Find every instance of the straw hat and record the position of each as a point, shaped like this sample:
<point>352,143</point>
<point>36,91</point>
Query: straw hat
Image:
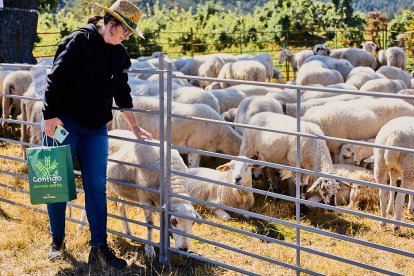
<point>127,13</point>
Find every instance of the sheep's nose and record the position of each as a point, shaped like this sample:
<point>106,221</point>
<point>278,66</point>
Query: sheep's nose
<point>237,179</point>
<point>185,249</point>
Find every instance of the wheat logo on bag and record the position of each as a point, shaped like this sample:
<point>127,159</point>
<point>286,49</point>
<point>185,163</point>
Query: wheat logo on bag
<point>51,177</point>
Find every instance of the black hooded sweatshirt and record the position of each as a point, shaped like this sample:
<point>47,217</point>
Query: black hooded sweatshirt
<point>87,75</point>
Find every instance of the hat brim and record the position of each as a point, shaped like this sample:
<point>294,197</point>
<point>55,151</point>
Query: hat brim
<point>114,14</point>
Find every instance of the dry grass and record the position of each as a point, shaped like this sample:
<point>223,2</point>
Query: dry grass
<point>24,240</point>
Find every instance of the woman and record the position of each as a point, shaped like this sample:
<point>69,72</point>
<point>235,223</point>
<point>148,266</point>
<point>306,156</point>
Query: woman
<point>86,77</point>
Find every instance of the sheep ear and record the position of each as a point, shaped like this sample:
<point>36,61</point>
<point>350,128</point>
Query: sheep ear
<point>369,159</point>
<point>313,187</point>
<point>223,168</point>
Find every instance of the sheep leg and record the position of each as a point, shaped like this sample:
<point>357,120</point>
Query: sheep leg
<point>80,227</point>
<point>393,183</point>
<point>382,179</point>
<point>194,160</point>
<point>125,224</point>
<point>221,214</point>
<point>149,249</point>
<point>407,183</point>
<point>411,205</point>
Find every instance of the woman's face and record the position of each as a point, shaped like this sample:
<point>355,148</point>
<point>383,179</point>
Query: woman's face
<point>117,33</point>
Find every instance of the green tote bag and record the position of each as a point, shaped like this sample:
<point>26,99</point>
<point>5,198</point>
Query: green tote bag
<point>51,177</point>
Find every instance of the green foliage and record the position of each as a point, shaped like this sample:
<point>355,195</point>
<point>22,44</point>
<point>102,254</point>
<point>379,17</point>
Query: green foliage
<point>401,23</point>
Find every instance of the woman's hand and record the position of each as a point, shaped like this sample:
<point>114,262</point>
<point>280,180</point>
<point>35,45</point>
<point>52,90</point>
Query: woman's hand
<point>50,126</point>
<point>141,133</point>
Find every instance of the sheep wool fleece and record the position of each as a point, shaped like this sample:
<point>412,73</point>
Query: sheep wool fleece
<point>87,75</point>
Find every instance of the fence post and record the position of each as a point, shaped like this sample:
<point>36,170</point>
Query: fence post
<point>192,41</point>
<point>163,256</point>
<point>298,179</point>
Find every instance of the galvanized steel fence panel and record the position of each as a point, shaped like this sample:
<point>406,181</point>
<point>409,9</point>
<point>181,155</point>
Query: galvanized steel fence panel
<point>166,172</point>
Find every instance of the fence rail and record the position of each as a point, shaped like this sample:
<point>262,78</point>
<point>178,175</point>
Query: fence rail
<point>166,172</point>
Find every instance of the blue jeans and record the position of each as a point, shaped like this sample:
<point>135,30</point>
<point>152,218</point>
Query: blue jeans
<point>90,147</point>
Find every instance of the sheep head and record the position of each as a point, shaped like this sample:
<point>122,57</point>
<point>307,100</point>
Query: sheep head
<point>182,224</point>
<point>241,172</point>
<point>327,189</point>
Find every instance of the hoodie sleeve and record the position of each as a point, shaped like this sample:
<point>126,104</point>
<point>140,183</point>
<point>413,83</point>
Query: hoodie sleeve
<point>65,62</point>
<point>122,95</point>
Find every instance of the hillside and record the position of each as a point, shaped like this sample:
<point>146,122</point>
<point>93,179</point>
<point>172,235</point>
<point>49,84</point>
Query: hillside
<point>390,7</point>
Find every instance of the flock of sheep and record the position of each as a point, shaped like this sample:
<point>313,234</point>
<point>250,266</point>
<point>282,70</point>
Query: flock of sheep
<point>364,118</point>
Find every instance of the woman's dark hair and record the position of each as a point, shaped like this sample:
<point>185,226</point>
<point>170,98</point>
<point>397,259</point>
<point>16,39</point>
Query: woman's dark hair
<point>107,17</point>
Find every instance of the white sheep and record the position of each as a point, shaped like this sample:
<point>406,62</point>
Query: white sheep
<point>250,106</point>
<point>336,53</point>
<point>203,66</point>
<point>283,96</point>
<point>369,46</point>
<point>398,132</point>
<point>408,92</point>
<point>228,98</point>
<point>249,70</point>
<point>359,57</point>
<point>358,119</point>
<point>394,73</point>
<point>3,74</point>
<point>195,95</point>
<point>343,66</point>
<point>281,148</point>
<point>315,72</point>
<point>394,56</point>
<point>356,196</point>
<point>355,154</point>
<point>31,112</point>
<point>320,49</point>
<point>291,108</point>
<point>360,75</point>
<point>150,156</point>
<point>278,75</point>
<point>207,136</point>
<point>266,60</point>
<point>16,83</point>
<point>295,59</point>
<point>233,172</point>
<point>383,85</point>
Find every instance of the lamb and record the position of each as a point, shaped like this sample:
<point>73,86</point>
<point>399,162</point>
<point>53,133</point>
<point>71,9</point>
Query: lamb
<point>359,57</point>
<point>394,56</point>
<point>207,136</point>
<point>250,70</point>
<point>266,60</point>
<point>395,73</point>
<point>383,85</point>
<point>335,192</point>
<point>341,65</point>
<point>296,60</point>
<point>360,75</point>
<point>355,154</point>
<point>228,98</point>
<point>398,132</point>
<point>320,49</point>
<point>314,72</point>
<point>150,156</point>
<point>369,46</point>
<point>233,172</point>
<point>16,83</point>
<point>250,106</point>
<point>281,148</point>
<point>356,119</point>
